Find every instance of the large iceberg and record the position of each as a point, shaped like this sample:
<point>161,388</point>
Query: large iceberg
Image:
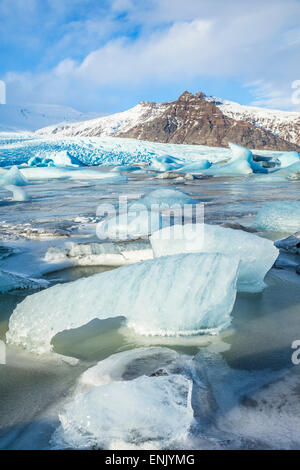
<point>240,163</point>
<point>165,163</point>
<point>288,158</point>
<point>150,412</point>
<point>195,167</point>
<point>175,295</point>
<point>257,255</point>
<point>281,216</point>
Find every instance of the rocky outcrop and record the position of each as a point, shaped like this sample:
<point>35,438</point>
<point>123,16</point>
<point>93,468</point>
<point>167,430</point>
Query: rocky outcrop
<point>193,120</point>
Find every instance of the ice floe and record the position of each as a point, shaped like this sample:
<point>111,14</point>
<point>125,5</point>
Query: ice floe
<point>175,295</point>
<point>257,255</point>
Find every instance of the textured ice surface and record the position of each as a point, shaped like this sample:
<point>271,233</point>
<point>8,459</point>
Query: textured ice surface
<point>11,282</point>
<point>173,295</point>
<point>257,255</point>
<point>128,365</point>
<point>153,411</point>
<point>282,216</point>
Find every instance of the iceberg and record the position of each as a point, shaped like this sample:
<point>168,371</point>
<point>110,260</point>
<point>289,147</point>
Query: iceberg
<point>257,255</point>
<point>287,159</point>
<point>290,244</point>
<point>166,199</point>
<point>174,295</point>
<point>13,177</point>
<point>128,365</point>
<point>165,163</point>
<point>40,173</point>
<point>240,163</point>
<point>147,411</point>
<point>195,167</point>
<point>281,216</point>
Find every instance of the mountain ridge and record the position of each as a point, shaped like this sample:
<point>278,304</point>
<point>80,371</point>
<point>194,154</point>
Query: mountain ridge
<point>194,119</point>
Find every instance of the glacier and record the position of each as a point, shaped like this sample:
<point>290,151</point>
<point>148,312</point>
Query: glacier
<point>280,216</point>
<point>257,255</point>
<point>149,412</point>
<point>174,295</point>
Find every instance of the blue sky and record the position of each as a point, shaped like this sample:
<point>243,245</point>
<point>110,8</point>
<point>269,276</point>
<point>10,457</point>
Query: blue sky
<point>107,55</point>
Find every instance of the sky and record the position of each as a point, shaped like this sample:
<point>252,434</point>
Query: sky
<point>107,55</point>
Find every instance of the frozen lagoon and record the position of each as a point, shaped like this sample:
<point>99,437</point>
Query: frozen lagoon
<point>243,375</point>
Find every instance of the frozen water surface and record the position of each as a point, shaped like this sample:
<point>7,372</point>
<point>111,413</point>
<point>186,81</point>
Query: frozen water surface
<point>244,388</point>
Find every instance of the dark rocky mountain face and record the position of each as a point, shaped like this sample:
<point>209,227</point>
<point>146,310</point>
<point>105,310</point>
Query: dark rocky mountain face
<point>193,120</point>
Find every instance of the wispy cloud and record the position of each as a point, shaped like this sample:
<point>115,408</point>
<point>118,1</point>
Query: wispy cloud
<point>86,49</point>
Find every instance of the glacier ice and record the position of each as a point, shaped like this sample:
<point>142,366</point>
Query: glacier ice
<point>195,167</point>
<point>290,244</point>
<point>13,177</point>
<point>128,365</point>
<point>239,163</point>
<point>174,295</point>
<point>146,411</point>
<point>281,216</point>
<point>257,255</point>
<point>40,173</point>
<point>100,254</point>
<point>288,158</point>
<point>165,163</point>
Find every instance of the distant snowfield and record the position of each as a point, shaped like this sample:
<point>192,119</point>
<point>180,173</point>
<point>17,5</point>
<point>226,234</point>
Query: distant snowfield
<point>31,117</point>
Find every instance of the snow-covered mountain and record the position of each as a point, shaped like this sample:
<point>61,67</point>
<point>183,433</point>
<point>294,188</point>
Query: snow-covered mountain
<point>112,125</point>
<point>188,120</point>
<point>285,124</point>
<point>34,116</point>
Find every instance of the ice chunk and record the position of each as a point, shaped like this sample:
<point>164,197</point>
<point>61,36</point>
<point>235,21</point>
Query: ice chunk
<point>129,226</point>
<point>147,411</point>
<point>282,216</point>
<point>175,295</point>
<point>37,173</point>
<point>19,194</point>
<point>257,255</point>
<point>195,167</point>
<point>11,282</point>
<point>101,254</point>
<point>239,163</point>
<point>13,177</point>
<point>287,159</point>
<point>290,244</point>
<point>165,163</point>
<point>165,199</point>
<point>128,365</point>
